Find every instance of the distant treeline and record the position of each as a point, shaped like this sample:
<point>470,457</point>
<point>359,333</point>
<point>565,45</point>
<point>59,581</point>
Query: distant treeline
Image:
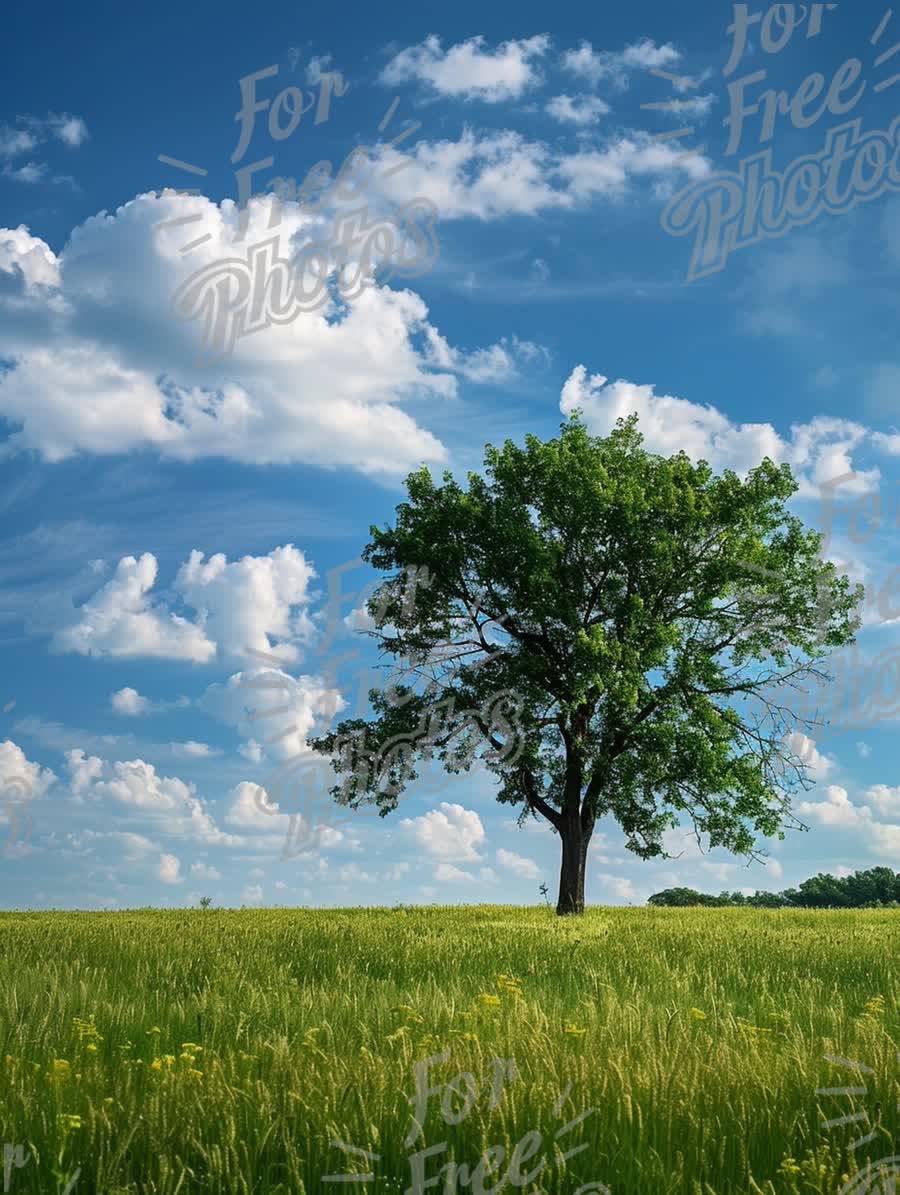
<point>878,888</point>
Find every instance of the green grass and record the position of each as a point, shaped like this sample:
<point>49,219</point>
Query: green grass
<point>704,1040</point>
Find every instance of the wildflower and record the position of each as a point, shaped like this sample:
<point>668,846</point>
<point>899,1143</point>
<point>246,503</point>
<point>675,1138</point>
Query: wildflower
<point>70,1120</point>
<point>60,1069</point>
<point>195,1074</point>
<point>191,1045</point>
<point>875,1006</point>
<point>91,1048</point>
<point>490,1000</point>
<point>155,1029</point>
<point>698,1014</point>
<point>156,1065</point>
<point>108,1099</point>
<point>574,1031</point>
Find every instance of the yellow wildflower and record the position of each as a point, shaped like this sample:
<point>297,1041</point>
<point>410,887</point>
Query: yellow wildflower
<point>574,1031</point>
<point>489,999</point>
<point>698,1014</point>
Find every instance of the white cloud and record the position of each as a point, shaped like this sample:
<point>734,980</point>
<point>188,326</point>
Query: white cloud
<point>581,110</point>
<point>319,67</point>
<point>864,750</point>
<point>885,799</point>
<point>451,833</point>
<point>20,778</point>
<point>396,873</point>
<point>494,174</point>
<point>112,384</point>
<point>446,873</point>
<point>193,750</point>
<point>34,260</point>
<point>71,130</point>
<point>819,450</point>
<point>468,70</point>
<point>518,864</point>
<point>30,172</point>
<point>129,701</point>
<point>202,871</point>
<point>835,810</point>
<point>621,888</point>
<point>617,65</point>
<point>121,620</point>
<point>249,602</point>
<point>804,748</point>
<point>252,894</point>
<point>251,750</point>
<point>301,704</point>
<point>775,868</point>
<point>499,363</point>
<point>168,802</point>
<point>251,809</point>
<point>256,603</point>
<point>135,846</point>
<point>83,769</point>
<point>719,871</point>
<point>170,869</point>
<point>15,141</point>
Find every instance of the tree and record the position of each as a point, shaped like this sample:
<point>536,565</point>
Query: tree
<point>684,898</point>
<point>583,614</point>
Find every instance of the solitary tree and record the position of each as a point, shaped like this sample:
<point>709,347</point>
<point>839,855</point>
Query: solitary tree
<point>614,632</point>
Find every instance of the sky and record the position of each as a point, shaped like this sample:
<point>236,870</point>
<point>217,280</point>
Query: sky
<point>690,212</point>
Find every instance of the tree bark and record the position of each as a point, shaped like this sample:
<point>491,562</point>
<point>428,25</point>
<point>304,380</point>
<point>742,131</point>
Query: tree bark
<point>575,842</point>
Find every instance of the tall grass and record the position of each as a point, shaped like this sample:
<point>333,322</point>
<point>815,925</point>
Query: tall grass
<point>225,1051</point>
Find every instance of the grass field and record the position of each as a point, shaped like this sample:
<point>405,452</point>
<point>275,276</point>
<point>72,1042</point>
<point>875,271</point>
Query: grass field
<point>224,1051</point>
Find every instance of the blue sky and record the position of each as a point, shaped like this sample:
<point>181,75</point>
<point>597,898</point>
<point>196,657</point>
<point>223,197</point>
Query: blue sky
<point>163,511</point>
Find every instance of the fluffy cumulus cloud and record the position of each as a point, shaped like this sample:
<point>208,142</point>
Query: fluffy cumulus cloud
<point>816,765</point>
<point>129,701</point>
<point>126,372</point>
<point>254,811</point>
<point>166,803</point>
<point>247,603</point>
<point>617,66</point>
<point>83,770</point>
<point>451,833</point>
<point>489,175</point>
<point>121,619</point>
<point>469,70</point>
<point>818,451</point>
<point>28,257</point>
<point>518,864</point>
<point>499,363</point>
<point>20,778</point>
<point>873,824</point>
<point>578,110</point>
<point>170,869</point>
<point>282,709</point>
<point>253,605</point>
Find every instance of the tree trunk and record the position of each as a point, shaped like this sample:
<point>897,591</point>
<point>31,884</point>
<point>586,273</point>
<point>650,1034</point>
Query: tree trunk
<point>575,842</point>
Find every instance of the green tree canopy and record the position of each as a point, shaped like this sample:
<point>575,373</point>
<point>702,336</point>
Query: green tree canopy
<point>614,632</point>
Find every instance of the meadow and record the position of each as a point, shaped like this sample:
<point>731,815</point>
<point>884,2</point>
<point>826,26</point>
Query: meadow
<point>227,1050</point>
